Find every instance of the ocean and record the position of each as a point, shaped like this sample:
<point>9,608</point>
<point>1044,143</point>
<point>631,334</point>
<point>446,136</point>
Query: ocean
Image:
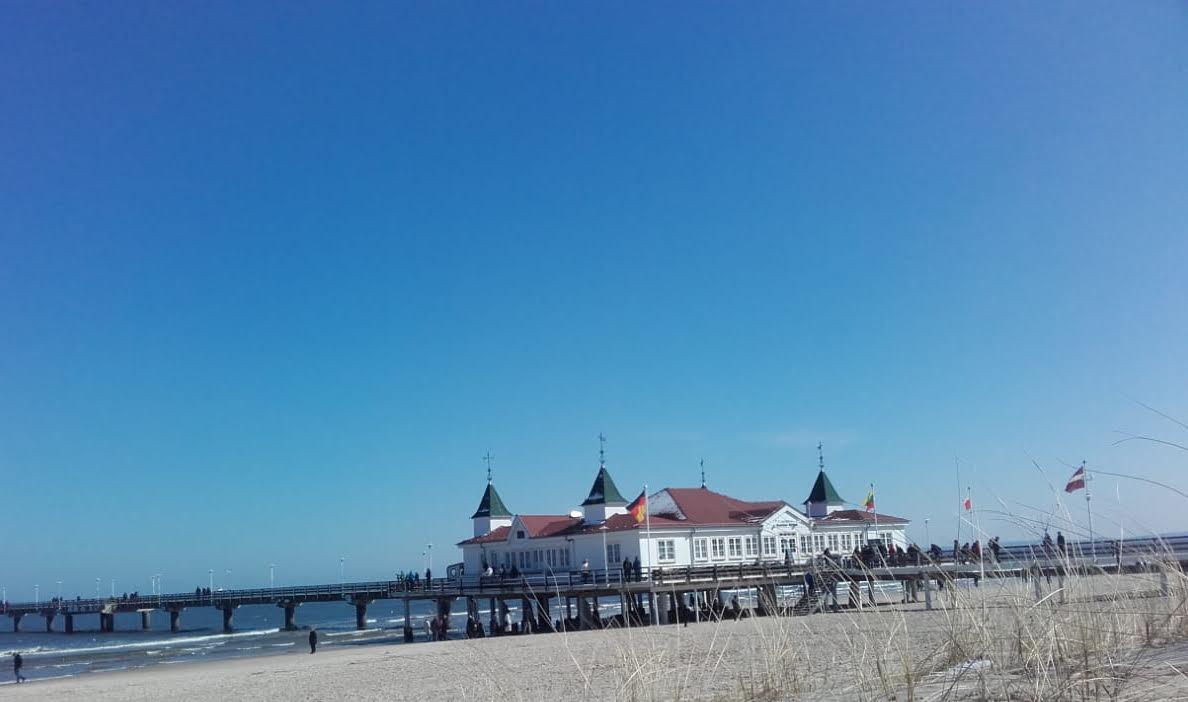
<point>257,632</point>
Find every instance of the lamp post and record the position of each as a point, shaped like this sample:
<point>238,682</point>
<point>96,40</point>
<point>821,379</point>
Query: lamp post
<point>271,576</point>
<point>605,560</point>
<point>96,589</point>
<point>210,580</point>
<point>113,588</point>
<point>36,594</point>
<point>228,574</point>
<point>342,570</point>
<point>59,591</point>
<point>927,537</point>
<point>429,550</point>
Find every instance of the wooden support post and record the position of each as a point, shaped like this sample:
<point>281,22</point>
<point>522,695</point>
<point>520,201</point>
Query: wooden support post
<point>360,615</point>
<point>174,620</point>
<point>49,622</point>
<point>493,628</point>
<point>227,613</point>
<point>145,621</point>
<point>69,623</point>
<point>408,630</point>
<point>927,592</point>
<point>290,616</point>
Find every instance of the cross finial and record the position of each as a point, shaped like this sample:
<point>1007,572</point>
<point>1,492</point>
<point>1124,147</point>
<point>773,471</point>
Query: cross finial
<point>702,464</point>
<point>488,458</point>
<point>820,456</point>
<point>601,450</point>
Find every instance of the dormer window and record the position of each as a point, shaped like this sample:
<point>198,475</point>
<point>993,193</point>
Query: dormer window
<point>520,534</point>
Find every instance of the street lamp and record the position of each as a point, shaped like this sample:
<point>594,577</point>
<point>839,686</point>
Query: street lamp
<point>36,594</point>
<point>113,588</point>
<point>228,579</point>
<point>96,589</point>
<point>59,591</point>
<point>926,535</point>
<point>271,576</point>
<point>429,548</point>
<point>605,559</point>
<point>210,589</point>
<point>342,570</point>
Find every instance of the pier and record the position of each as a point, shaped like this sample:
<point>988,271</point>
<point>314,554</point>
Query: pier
<point>560,600</point>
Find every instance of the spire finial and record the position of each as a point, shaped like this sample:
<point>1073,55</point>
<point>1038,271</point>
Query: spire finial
<point>702,464</point>
<point>820,456</point>
<point>601,450</point>
<point>488,458</point>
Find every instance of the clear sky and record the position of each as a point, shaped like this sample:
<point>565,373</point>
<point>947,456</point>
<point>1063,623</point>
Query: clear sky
<point>274,277</point>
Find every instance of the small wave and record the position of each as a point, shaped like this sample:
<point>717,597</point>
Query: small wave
<point>216,638</point>
<point>282,645</point>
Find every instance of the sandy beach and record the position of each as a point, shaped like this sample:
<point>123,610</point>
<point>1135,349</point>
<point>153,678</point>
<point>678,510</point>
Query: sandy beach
<point>878,653</point>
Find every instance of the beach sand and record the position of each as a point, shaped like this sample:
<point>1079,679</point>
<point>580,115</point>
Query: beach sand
<point>849,655</point>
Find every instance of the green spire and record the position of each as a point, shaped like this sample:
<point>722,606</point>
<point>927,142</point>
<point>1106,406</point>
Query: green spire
<point>603,491</point>
<point>823,492</point>
<point>491,505</point>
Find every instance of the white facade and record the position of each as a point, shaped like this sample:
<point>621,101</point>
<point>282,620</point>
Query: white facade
<point>771,532</point>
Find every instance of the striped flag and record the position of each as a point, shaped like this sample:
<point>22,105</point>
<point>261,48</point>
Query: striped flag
<point>639,508</point>
<point>870,501</point>
<point>1077,481</point>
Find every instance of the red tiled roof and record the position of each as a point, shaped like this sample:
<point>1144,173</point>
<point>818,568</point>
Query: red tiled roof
<point>701,506</point>
<point>499,534</point>
<point>539,526</point>
<point>858,515</point>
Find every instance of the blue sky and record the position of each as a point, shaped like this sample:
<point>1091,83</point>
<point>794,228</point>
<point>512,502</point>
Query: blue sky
<point>274,278</point>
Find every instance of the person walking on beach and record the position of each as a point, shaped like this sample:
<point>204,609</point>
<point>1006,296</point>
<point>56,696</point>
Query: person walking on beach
<point>313,641</point>
<point>17,664</point>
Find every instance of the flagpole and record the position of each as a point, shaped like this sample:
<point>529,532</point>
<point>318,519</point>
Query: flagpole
<point>648,529</point>
<point>876,516</point>
<point>957,463</point>
<point>1089,509</point>
<point>979,534</point>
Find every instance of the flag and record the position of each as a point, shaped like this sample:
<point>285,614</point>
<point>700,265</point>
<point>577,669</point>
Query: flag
<point>870,503</point>
<point>967,503</point>
<point>639,508</point>
<point>1077,481</point>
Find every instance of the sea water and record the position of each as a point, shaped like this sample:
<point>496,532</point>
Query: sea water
<point>257,631</point>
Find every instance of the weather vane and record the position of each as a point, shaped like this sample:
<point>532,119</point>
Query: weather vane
<point>601,450</point>
<point>488,458</point>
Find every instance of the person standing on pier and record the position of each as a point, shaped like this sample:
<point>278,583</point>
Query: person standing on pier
<point>17,664</point>
<point>313,641</point>
<point>635,568</point>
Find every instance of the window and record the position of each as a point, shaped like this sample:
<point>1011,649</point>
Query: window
<point>718,548</point>
<point>667,549</point>
<point>700,550</point>
<point>886,537</point>
<point>613,554</point>
<point>804,544</point>
<point>818,543</point>
<point>834,543</point>
<point>749,545</point>
<point>788,546</point>
<point>769,545</point>
<point>520,534</point>
<point>735,545</point>
<point>565,558</point>
<point>847,542</point>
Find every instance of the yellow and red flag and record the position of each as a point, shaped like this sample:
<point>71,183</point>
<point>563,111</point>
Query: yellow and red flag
<point>639,508</point>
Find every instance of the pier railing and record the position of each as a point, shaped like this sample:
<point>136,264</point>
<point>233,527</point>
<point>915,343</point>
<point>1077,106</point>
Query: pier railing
<point>1080,554</point>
